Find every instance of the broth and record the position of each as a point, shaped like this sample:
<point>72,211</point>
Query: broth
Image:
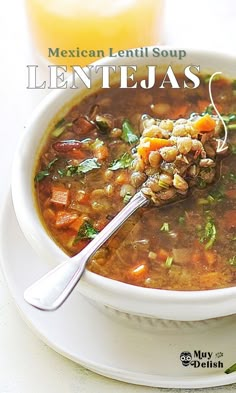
<point>85,175</point>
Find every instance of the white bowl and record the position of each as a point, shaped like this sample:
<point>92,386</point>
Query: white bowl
<point>155,303</point>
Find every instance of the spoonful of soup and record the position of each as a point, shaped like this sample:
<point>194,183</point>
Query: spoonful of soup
<point>171,158</point>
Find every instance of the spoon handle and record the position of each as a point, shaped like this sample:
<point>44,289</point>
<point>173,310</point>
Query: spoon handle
<point>52,290</point>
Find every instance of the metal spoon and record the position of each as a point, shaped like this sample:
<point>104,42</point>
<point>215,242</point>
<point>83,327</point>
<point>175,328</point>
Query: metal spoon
<point>52,290</point>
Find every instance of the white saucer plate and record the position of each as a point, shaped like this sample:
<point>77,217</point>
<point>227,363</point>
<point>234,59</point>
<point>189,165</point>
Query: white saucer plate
<point>140,351</point>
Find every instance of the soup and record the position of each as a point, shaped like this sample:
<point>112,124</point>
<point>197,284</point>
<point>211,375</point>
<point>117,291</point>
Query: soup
<point>96,158</point>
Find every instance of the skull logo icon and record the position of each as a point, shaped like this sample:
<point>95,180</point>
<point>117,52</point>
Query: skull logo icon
<point>185,358</point>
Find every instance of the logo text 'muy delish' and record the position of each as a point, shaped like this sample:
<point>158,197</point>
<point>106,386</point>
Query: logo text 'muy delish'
<point>200,359</point>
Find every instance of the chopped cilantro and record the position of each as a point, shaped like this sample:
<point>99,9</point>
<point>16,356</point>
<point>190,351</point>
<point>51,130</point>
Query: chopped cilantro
<point>181,220</point>
<point>208,77</point>
<point>46,172</point>
<point>232,261</point>
<point>86,231</point>
<point>217,194</point>
<point>229,118</point>
<point>201,183</point>
<point>233,149</point>
<point>88,165</point>
<point>128,134</point>
<point>208,110</point>
<point>209,234</point>
<point>84,167</point>
<point>122,162</point>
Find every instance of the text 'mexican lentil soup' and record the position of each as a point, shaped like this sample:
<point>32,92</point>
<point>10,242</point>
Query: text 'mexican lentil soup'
<point>115,142</point>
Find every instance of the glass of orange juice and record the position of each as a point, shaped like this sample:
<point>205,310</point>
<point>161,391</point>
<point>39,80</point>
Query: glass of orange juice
<point>79,32</point>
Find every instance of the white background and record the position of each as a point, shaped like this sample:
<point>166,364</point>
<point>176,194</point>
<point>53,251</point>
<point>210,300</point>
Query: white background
<point>26,364</point>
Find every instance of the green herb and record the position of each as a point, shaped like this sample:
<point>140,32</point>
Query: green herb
<point>128,134</point>
<point>46,172</point>
<point>233,149</point>
<point>232,261</point>
<point>104,123</point>
<point>229,178</point>
<point>169,261</point>
<point>232,177</point>
<point>208,77</point>
<point>229,118</point>
<point>208,110</point>
<point>122,162</point>
<point>86,231</point>
<point>202,201</point>
<point>231,369</point>
<point>60,128</point>
<point>127,197</point>
<point>98,143</point>
<point>217,194</point>
<point>84,167</point>
<point>165,227</point>
<point>88,165</point>
<point>212,199</point>
<point>209,235</point>
<point>201,183</point>
<point>181,220</point>
<point>59,123</point>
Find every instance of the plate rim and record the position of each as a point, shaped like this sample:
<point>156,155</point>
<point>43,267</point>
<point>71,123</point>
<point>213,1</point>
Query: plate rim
<point>144,379</point>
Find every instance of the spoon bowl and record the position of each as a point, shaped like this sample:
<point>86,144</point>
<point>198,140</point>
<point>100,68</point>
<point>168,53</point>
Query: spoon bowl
<point>53,289</point>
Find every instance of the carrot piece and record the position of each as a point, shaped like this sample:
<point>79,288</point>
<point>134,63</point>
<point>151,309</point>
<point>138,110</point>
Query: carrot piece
<point>60,195</point>
<point>205,124</point>
<point>82,197</point>
<point>196,258</point>
<point>230,219</point>
<point>231,194</point>
<point>148,144</point>
<point>210,257</point>
<point>138,272</point>
<point>76,224</point>
<point>101,152</point>
<point>162,254</point>
<point>76,154</point>
<point>82,126</point>
<point>64,218</point>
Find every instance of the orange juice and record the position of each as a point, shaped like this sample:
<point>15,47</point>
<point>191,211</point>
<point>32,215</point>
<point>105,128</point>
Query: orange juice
<point>90,27</point>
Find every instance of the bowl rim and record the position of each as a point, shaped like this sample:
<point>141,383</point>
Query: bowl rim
<point>91,278</point>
